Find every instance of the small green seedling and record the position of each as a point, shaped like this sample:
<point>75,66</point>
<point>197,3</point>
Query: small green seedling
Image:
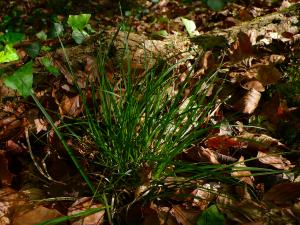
<point>49,66</point>
<point>80,27</point>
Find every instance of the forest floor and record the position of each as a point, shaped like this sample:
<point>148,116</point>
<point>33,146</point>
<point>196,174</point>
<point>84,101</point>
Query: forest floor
<point>56,165</point>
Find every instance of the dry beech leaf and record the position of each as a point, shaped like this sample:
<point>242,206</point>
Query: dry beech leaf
<point>283,194</point>
<point>277,58</point>
<point>84,204</point>
<point>209,155</point>
<point>275,160</point>
<point>254,84</point>
<point>243,212</point>
<point>150,215</point>
<point>40,125</point>
<point>223,142</point>
<point>164,216</point>
<point>242,48</point>
<point>242,174</point>
<point>35,216</point>
<point>249,102</point>
<point>71,106</point>
<point>208,61</point>
<point>9,199</point>
<point>260,142</point>
<point>184,216</point>
<point>268,74</point>
<point>5,175</point>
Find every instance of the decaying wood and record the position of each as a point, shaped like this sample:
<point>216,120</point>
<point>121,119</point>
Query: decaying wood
<point>144,50</point>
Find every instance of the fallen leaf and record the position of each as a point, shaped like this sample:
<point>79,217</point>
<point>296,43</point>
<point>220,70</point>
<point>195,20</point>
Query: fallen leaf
<point>268,74</point>
<point>184,216</point>
<point>222,142</point>
<point>35,216</point>
<point>275,160</point>
<point>254,84</point>
<point>260,142</point>
<point>242,48</point>
<point>283,194</point>
<point>9,200</point>
<point>84,204</point>
<point>40,125</point>
<point>5,175</point>
<point>249,102</point>
<point>240,172</point>
<point>71,106</point>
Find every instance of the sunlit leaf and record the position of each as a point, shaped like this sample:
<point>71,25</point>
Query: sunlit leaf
<point>8,54</point>
<point>78,21</point>
<point>41,35</point>
<point>79,36</point>
<point>58,29</point>
<point>21,80</point>
<point>190,26</point>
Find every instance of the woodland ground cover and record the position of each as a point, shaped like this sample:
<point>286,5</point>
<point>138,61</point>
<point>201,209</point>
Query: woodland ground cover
<point>149,112</point>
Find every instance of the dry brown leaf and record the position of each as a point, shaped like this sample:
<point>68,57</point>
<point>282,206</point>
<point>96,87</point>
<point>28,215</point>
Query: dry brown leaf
<point>268,74</point>
<point>277,58</point>
<point>5,175</point>
<point>150,215</point>
<point>35,216</point>
<point>249,102</point>
<point>184,216</point>
<point>84,204</point>
<point>283,194</point>
<point>242,48</point>
<point>208,155</point>
<point>165,217</point>
<point>243,212</point>
<point>6,91</point>
<point>40,125</point>
<point>260,142</point>
<point>9,200</point>
<point>71,106</point>
<point>275,160</point>
<point>254,84</point>
<point>241,174</point>
<point>208,61</point>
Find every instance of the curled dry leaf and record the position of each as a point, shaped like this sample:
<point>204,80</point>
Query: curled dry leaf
<point>283,194</point>
<point>84,204</point>
<point>208,155</point>
<point>249,102</point>
<point>71,106</point>
<point>40,125</point>
<point>275,160</point>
